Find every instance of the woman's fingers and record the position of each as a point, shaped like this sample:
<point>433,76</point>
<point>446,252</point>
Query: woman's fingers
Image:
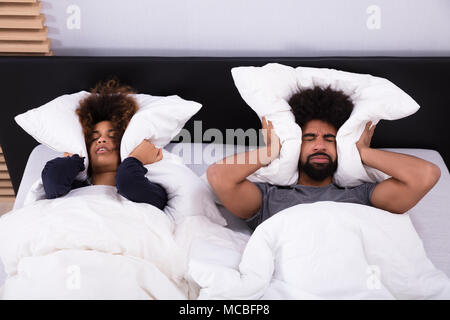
<point>160,155</point>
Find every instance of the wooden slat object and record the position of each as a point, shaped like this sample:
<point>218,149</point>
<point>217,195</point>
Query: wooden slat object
<point>25,46</point>
<point>6,189</point>
<point>24,34</point>
<point>20,9</point>
<point>5,184</point>
<point>7,198</point>
<point>19,1</point>
<point>4,175</point>
<point>16,54</point>
<point>6,192</point>
<point>22,22</point>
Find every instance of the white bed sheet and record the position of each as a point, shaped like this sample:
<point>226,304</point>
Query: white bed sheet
<point>430,217</point>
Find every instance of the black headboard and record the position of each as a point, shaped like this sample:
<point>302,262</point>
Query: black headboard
<point>28,82</point>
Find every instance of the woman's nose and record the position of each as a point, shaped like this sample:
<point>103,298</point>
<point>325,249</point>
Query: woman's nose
<point>101,139</point>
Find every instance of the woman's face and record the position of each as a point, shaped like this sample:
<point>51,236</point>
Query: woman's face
<point>103,151</point>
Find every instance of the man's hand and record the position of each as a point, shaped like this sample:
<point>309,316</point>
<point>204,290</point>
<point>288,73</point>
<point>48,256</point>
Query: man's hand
<point>271,139</point>
<point>147,153</point>
<point>411,177</point>
<point>67,154</point>
<point>228,177</point>
<point>366,138</point>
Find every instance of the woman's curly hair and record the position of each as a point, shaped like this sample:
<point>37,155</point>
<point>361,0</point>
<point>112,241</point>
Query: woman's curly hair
<point>108,101</point>
<point>326,104</point>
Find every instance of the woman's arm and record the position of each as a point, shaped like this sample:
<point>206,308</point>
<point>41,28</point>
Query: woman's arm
<point>59,174</point>
<point>133,185</point>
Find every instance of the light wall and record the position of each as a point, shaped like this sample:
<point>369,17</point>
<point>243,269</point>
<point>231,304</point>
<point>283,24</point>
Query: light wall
<point>248,27</point>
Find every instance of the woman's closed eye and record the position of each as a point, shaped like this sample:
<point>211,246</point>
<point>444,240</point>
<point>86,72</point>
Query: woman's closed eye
<point>96,137</point>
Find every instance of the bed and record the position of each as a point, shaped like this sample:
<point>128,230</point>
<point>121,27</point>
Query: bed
<point>208,80</point>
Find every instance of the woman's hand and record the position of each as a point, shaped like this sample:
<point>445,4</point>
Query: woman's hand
<point>271,139</point>
<point>66,154</point>
<point>147,153</point>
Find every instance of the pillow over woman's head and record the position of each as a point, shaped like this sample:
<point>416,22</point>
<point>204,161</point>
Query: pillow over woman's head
<point>268,89</point>
<point>57,125</point>
<point>159,119</point>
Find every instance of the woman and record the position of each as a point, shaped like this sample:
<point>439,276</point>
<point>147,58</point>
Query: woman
<point>104,116</point>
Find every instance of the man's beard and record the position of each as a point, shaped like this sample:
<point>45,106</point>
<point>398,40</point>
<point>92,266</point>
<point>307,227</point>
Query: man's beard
<point>318,171</point>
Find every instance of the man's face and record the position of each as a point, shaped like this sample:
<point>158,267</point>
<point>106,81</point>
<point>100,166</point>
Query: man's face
<point>103,152</point>
<point>318,157</point>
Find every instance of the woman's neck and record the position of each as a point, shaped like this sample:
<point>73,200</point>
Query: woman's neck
<point>104,178</point>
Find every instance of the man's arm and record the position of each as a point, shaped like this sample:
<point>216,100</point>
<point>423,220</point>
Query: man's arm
<point>411,177</point>
<point>228,177</point>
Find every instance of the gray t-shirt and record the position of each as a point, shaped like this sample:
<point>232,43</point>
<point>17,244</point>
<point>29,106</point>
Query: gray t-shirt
<point>276,198</point>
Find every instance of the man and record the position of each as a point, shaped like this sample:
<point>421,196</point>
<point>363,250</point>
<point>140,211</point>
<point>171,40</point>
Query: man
<point>320,113</point>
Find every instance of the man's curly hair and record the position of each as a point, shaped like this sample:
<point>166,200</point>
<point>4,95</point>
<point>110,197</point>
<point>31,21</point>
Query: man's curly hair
<point>108,101</point>
<point>326,104</point>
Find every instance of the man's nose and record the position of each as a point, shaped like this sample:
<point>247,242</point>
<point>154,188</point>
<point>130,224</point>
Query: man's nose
<point>101,139</point>
<point>319,145</point>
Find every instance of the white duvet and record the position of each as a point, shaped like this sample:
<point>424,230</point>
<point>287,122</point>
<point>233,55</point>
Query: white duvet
<point>326,250</point>
<point>91,244</point>
<point>95,244</point>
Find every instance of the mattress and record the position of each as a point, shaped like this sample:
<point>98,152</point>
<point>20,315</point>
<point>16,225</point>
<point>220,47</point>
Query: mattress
<point>430,217</point>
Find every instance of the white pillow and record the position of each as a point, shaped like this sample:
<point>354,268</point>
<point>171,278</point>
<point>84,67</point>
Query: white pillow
<point>56,124</point>
<point>187,194</point>
<point>268,89</point>
<point>159,119</point>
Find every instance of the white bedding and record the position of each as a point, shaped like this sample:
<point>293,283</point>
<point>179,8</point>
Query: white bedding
<point>105,235</point>
<point>95,244</point>
<point>121,249</point>
<point>326,250</point>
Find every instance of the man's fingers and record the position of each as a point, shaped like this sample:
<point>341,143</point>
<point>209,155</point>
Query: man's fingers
<point>264,122</point>
<point>372,130</point>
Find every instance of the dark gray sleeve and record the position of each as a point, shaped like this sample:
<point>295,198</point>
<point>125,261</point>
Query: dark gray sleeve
<point>262,213</point>
<point>364,192</point>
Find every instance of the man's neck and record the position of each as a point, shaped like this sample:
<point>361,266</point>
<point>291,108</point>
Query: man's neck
<point>305,180</point>
<point>104,178</point>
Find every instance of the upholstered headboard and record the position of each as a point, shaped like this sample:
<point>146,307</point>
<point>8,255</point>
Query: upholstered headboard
<point>28,82</point>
